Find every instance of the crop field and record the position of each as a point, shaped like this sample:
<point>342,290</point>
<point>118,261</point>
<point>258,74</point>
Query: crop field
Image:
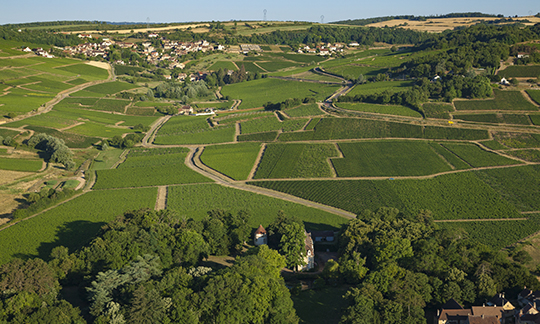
<point>271,123</point>
<point>304,111</point>
<point>71,140</point>
<point>223,65</point>
<point>527,155</point>
<point>476,157</point>
<point>520,185</point>
<point>451,196</point>
<point>517,71</point>
<point>93,129</point>
<point>496,118</point>
<point>535,119</point>
<point>45,120</point>
<point>100,117</point>
<point>378,87</point>
<point>258,137</point>
<point>110,87</point>
<point>106,159</point>
<point>72,224</point>
<point>217,105</point>
<point>388,158</point>
<point>7,132</point>
<point>193,130</point>
<point>249,66</point>
<point>449,156</point>
<point>111,105</point>
<point>517,140</point>
<point>380,109</point>
<point>300,58</point>
<point>504,100</point>
<point>436,132</point>
<point>149,170</point>
<point>535,95</point>
<point>497,234</point>
<point>234,160</point>
<point>188,202</point>
<point>233,118</point>
<point>76,102</point>
<point>20,164</point>
<point>276,65</point>
<point>89,72</point>
<point>22,101</point>
<point>493,144</point>
<point>281,161</point>
<point>312,123</point>
<point>433,110</point>
<point>352,71</point>
<point>140,111</point>
<point>258,92</point>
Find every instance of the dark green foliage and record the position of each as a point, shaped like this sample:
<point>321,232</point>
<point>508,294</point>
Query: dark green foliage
<point>44,199</point>
<point>54,149</point>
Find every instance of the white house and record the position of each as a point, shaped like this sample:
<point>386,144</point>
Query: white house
<point>309,259</point>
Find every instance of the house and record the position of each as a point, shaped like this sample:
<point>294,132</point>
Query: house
<point>186,110</point>
<point>481,319</point>
<point>522,55</point>
<point>528,315</point>
<point>27,49</point>
<point>354,44</point>
<point>260,236</point>
<point>453,313</point>
<point>504,81</point>
<point>322,236</point>
<point>309,259</point>
<point>153,35</point>
<point>501,301</point>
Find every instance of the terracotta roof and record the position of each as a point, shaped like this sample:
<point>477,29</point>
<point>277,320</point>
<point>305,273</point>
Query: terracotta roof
<point>480,319</point>
<point>309,243</point>
<point>260,230</point>
<point>454,314</point>
<point>488,311</point>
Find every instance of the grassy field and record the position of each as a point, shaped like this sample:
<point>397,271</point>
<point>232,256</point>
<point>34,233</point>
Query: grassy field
<point>89,72</point>
<point>388,158</point>
<point>235,160</point>
<point>20,164</point>
<point>352,71</point>
<point>249,66</point>
<point>504,100</point>
<point>380,109</point>
<point>520,185</point>
<point>106,159</point>
<point>304,111</point>
<point>196,200</point>
<point>72,224</point>
<point>258,92</point>
<point>296,161</point>
<point>276,65</point>
<point>520,71</point>
<point>497,234</point>
<point>378,87</point>
<point>476,157</point>
<point>258,137</point>
<point>156,168</point>
<point>110,87</point>
<point>193,130</point>
<point>451,196</point>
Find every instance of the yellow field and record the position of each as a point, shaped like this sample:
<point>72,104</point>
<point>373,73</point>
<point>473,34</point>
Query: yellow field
<point>438,25</point>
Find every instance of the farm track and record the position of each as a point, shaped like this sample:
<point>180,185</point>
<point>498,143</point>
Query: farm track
<point>161,200</point>
<point>193,162</point>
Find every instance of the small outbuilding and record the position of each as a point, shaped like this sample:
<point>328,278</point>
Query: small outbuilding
<point>260,236</point>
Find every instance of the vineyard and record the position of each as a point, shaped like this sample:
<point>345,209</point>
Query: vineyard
<point>515,71</point>
<point>188,201</point>
<point>295,161</point>
<point>20,164</point>
<point>271,123</point>
<point>450,157</point>
<point>432,110</point>
<point>380,109</point>
<point>193,130</point>
<point>235,160</point>
<point>71,224</point>
<point>535,95</point>
<point>258,137</point>
<point>496,118</point>
<point>304,111</point>
<point>517,140</point>
<point>476,157</point>
<point>504,100</point>
<point>388,158</point>
<point>149,168</point>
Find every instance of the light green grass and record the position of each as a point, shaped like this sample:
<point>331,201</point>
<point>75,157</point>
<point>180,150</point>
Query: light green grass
<point>20,164</point>
<point>304,111</point>
<point>195,201</point>
<point>378,87</point>
<point>223,65</point>
<point>89,72</point>
<point>271,123</point>
<point>258,92</point>
<point>235,160</point>
<point>504,100</point>
<point>106,159</point>
<point>193,130</point>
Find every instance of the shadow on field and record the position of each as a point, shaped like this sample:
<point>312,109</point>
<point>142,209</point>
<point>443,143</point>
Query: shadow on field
<point>72,235</point>
<point>319,227</point>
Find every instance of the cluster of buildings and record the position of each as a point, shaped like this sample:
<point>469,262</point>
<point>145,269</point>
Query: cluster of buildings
<point>38,51</point>
<point>90,49</point>
<point>498,310</point>
<point>322,50</point>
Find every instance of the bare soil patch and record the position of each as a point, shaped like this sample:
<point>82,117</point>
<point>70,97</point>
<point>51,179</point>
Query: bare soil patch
<point>10,176</point>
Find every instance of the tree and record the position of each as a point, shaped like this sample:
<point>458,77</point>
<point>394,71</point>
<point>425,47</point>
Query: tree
<point>292,245</point>
<point>147,306</point>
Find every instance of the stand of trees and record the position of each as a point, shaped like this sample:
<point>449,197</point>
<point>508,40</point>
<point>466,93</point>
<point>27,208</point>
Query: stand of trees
<point>53,149</point>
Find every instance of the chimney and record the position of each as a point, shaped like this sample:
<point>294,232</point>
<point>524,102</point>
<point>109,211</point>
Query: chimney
<point>438,312</point>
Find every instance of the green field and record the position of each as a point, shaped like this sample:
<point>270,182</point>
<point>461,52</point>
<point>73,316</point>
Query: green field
<point>258,137</point>
<point>476,157</point>
<point>451,196</point>
<point>196,200</point>
<point>304,111</point>
<point>495,118</point>
<point>110,87</point>
<point>296,161</point>
<point>504,100</point>
<point>378,87</point>
<point>497,234</point>
<point>276,65</point>
<point>72,140</point>
<point>249,66</point>
<point>517,140</point>
<point>193,130</point>
<point>235,160</point>
<point>258,92</point>
<point>153,168</point>
<point>527,155</point>
<point>271,123</point>
<point>72,224</point>
<point>519,185</point>
<point>449,156</point>
<point>352,71</point>
<point>106,159</point>
<point>380,109</point>
<point>535,95</point>
<point>20,164</point>
<point>388,158</point>
<point>89,72</point>
<point>223,65</point>
<point>520,71</point>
